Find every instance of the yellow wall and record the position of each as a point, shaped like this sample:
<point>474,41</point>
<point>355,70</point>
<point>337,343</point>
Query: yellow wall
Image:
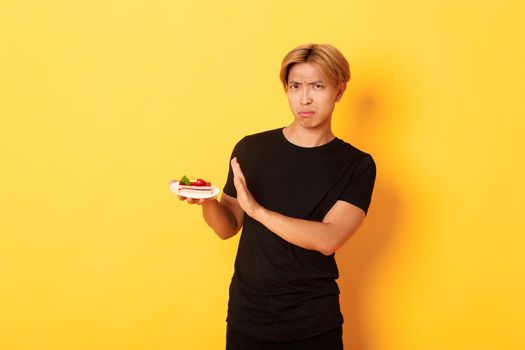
<point>102,102</point>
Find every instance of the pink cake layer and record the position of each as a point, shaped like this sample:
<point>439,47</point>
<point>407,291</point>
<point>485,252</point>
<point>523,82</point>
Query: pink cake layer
<point>194,189</point>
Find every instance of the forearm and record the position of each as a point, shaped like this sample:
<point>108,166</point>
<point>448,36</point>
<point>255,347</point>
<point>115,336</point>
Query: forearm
<point>313,235</point>
<point>220,218</point>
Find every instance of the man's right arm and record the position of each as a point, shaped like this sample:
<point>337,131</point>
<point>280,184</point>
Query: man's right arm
<point>225,217</point>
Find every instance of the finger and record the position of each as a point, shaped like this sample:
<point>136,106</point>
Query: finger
<point>237,171</point>
<point>204,200</point>
<point>240,186</point>
<point>181,198</point>
<point>235,166</point>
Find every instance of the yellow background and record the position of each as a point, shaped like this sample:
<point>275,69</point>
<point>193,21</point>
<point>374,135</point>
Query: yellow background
<point>103,102</point>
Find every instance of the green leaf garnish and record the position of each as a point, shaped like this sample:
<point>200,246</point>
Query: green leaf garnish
<point>185,180</point>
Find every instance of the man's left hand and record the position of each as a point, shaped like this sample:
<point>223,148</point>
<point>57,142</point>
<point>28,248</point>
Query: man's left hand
<point>244,197</point>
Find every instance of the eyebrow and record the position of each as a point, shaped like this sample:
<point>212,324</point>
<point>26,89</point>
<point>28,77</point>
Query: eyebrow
<point>312,83</point>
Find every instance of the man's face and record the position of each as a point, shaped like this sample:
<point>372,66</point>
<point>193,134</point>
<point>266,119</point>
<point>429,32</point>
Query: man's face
<point>311,98</point>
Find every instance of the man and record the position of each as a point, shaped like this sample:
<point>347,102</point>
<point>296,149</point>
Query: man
<point>299,193</point>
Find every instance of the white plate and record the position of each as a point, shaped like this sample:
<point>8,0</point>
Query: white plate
<point>174,187</point>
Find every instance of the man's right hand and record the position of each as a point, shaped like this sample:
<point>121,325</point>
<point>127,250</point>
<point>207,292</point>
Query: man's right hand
<point>196,201</point>
<point>226,216</point>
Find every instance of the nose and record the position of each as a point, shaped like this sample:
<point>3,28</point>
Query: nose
<point>305,97</point>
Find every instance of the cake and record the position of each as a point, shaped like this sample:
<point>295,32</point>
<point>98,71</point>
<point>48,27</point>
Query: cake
<point>189,188</point>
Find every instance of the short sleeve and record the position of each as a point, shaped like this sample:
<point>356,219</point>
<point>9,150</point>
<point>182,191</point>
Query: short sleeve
<point>359,189</point>
<point>229,187</point>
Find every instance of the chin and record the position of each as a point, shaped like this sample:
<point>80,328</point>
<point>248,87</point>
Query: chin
<point>309,123</point>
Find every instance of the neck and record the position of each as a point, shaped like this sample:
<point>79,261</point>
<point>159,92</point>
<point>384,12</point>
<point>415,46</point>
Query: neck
<point>308,137</point>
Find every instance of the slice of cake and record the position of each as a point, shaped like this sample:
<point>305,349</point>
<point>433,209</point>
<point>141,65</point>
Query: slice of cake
<point>189,188</point>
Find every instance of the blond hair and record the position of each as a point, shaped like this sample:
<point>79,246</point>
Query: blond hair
<point>327,58</point>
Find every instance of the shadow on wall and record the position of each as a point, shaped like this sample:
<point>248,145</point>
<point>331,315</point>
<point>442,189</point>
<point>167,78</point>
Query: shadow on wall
<point>356,259</point>
<point>367,110</point>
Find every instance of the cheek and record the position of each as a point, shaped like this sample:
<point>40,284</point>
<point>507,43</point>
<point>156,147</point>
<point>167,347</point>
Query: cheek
<point>292,99</point>
<point>324,100</point>
<point>327,103</point>
<point>290,102</point>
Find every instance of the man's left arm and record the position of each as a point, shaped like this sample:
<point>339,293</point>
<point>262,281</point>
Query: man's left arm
<point>338,225</point>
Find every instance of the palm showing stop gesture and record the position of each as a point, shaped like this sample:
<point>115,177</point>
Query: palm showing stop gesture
<point>244,197</point>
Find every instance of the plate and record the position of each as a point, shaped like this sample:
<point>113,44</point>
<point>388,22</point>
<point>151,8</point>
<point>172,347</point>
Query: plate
<point>174,187</point>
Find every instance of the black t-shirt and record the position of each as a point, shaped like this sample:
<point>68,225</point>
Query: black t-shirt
<point>280,291</point>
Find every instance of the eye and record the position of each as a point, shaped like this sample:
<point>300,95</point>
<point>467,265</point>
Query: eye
<point>293,86</point>
<point>318,86</point>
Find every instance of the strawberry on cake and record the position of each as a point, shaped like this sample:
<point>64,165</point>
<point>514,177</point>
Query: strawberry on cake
<point>189,188</point>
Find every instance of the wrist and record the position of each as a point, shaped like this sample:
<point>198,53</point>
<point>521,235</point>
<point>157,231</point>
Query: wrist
<point>260,214</point>
<point>209,203</point>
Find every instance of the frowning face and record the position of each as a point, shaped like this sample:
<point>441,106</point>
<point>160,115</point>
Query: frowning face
<point>312,99</point>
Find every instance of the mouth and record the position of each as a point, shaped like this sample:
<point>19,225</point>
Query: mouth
<point>306,113</point>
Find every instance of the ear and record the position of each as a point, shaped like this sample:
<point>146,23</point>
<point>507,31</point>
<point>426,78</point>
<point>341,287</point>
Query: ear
<point>340,92</point>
